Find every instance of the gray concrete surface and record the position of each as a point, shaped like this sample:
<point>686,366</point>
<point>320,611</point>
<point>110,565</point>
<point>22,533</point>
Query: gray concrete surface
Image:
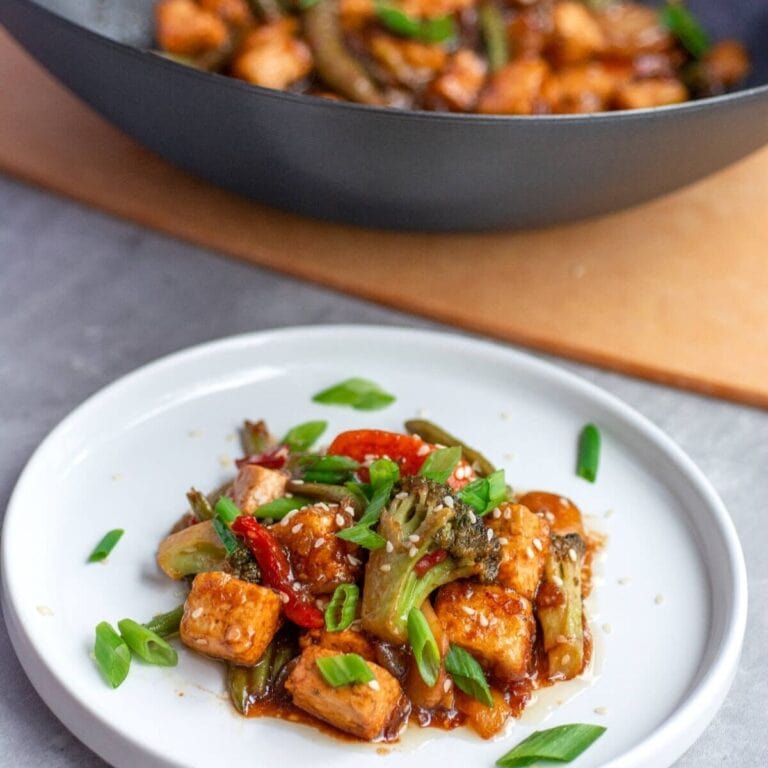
<point>85,298</point>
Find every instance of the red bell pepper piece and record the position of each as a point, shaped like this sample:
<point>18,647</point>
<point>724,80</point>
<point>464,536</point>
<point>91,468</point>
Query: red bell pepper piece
<point>276,458</point>
<point>429,561</point>
<point>276,571</point>
<point>409,452</point>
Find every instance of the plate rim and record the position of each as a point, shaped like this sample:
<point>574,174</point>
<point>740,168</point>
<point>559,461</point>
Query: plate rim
<point>668,742</point>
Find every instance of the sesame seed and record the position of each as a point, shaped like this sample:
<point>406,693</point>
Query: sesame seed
<point>608,513</point>
<point>601,710</point>
<point>483,621</point>
<point>349,510</point>
<point>448,501</point>
<point>413,551</point>
<point>565,502</point>
<point>469,611</point>
<point>318,543</point>
<point>197,613</point>
<point>295,586</point>
<point>607,628</point>
<point>353,560</point>
<point>624,580</point>
<point>296,528</point>
<point>424,450</point>
<point>320,604</point>
<point>503,540</point>
<point>659,599</point>
<point>560,639</point>
<point>504,416</point>
<point>283,597</point>
<point>232,634</point>
<point>297,482</point>
<point>496,513</point>
<point>572,554</point>
<point>402,495</point>
<point>489,534</point>
<point>472,517</point>
<point>225,460</point>
<point>549,516</point>
<point>537,543</point>
<point>201,641</point>
<point>340,520</point>
<point>529,553</point>
<point>422,413</point>
<point>507,514</point>
<point>389,546</point>
<point>322,505</point>
<point>374,685</point>
<point>386,567</point>
<point>447,684</point>
<point>414,537</point>
<point>509,456</point>
<point>288,495</point>
<point>557,581</point>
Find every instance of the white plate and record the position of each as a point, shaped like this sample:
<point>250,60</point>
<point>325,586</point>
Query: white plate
<point>126,457</point>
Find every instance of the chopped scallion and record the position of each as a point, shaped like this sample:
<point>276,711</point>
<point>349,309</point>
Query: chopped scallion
<point>589,453</point>
<point>561,744</point>
<point>485,493</point>
<point>363,536</point>
<point>679,20</point>
<point>439,464</point>
<point>303,436</point>
<point>468,675</point>
<point>435,30</point>
<point>279,508</point>
<point>147,645</point>
<point>227,537</point>
<point>106,545</point>
<point>346,669</point>
<point>113,656</point>
<point>361,394</point>
<point>341,611</point>
<point>383,472</point>
<point>426,654</point>
<point>226,510</point>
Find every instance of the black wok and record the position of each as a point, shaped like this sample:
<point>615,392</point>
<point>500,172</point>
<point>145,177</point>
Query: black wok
<point>386,168</point>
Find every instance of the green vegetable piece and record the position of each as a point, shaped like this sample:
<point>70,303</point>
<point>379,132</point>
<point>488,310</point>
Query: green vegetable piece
<point>113,656</point>
<point>106,545</point>
<point>341,611</point>
<point>331,470</point>
<point>440,464</point>
<point>561,744</point>
<point>363,536</point>
<point>279,508</point>
<point>384,472</point>
<point>589,453</point>
<point>200,504</point>
<point>430,432</point>
<point>679,20</point>
<point>495,36</point>
<point>485,493</point>
<point>165,624</point>
<point>305,4</point>
<point>437,30</point>
<point>303,436</point>
<point>379,498</point>
<point>347,669</point>
<point>468,675</point>
<point>255,437</point>
<point>227,537</point>
<point>361,394</point>
<point>147,645</point>
<point>424,647</point>
<point>226,510</point>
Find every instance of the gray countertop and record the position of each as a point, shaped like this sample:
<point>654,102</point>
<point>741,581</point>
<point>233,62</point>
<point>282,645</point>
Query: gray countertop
<point>85,298</point>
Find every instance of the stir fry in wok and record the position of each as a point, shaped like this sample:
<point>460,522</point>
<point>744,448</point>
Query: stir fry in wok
<point>513,57</point>
<point>391,577</point>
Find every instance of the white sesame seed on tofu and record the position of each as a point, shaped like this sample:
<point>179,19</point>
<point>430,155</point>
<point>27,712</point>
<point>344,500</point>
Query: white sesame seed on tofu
<point>503,540</point>
<point>489,534</point>
<point>340,520</point>
<point>507,514</point>
<point>201,641</point>
<point>197,613</point>
<point>296,528</point>
<point>386,567</point>
<point>374,685</point>
<point>496,513</point>
<point>352,560</point>
<point>318,543</point>
<point>537,543</point>
<point>469,611</point>
<point>447,684</point>
<point>349,510</point>
<point>389,546</point>
<point>483,620</point>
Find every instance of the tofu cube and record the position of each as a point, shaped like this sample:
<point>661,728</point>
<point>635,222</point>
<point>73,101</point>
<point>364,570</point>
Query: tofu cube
<point>364,710</point>
<point>493,623</point>
<point>255,485</point>
<point>229,619</point>
<point>524,539</point>
<point>347,641</point>
<point>319,559</point>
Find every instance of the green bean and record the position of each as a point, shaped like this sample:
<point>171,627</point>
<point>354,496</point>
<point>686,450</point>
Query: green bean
<point>495,36</point>
<point>166,624</point>
<point>249,684</point>
<point>332,494</point>
<point>434,434</point>
<point>200,504</point>
<point>337,67</point>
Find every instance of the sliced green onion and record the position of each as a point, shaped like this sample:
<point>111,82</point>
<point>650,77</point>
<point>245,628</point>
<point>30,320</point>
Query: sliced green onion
<point>106,545</point>
<point>495,36</point>
<point>360,394</point>
<point>363,536</point>
<point>340,612</point>
<point>560,744</point>
<point>303,436</point>
<point>686,28</point>
<point>435,30</point>
<point>329,463</point>
<point>226,510</point>
<point>468,675</point>
<point>379,498</point>
<point>426,654</point>
<point>589,453</point>
<point>227,537</point>
<point>346,669</point>
<point>383,472</point>
<point>361,491</point>
<point>485,493</point>
<point>279,508</point>
<point>440,464</point>
<point>147,645</point>
<point>165,624</point>
<point>113,656</point>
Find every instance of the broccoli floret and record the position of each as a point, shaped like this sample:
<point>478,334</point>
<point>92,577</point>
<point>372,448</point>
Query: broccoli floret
<point>423,518</point>
<point>242,565</point>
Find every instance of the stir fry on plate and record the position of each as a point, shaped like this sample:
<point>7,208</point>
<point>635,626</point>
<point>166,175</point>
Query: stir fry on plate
<point>390,578</point>
<point>510,57</point>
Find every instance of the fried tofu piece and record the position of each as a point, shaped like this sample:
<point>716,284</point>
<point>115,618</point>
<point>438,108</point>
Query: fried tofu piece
<point>347,641</point>
<point>229,619</point>
<point>319,558</point>
<point>515,89</point>
<point>255,485</point>
<point>459,84</point>
<point>486,722</point>
<point>726,63</point>
<point>577,36</point>
<point>355,14</point>
<point>524,539</point>
<point>429,9</point>
<point>584,87</point>
<point>410,62</point>
<point>654,92</point>
<point>234,12</point>
<point>363,710</point>
<point>184,28</point>
<point>632,29</point>
<point>493,623</point>
<point>562,514</point>
<point>272,56</point>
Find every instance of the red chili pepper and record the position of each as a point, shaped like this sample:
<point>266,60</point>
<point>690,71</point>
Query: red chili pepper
<point>276,570</point>
<point>277,458</point>
<point>408,451</point>
<point>429,561</point>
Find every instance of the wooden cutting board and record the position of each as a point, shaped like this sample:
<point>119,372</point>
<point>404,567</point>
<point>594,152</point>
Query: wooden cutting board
<point>675,290</point>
